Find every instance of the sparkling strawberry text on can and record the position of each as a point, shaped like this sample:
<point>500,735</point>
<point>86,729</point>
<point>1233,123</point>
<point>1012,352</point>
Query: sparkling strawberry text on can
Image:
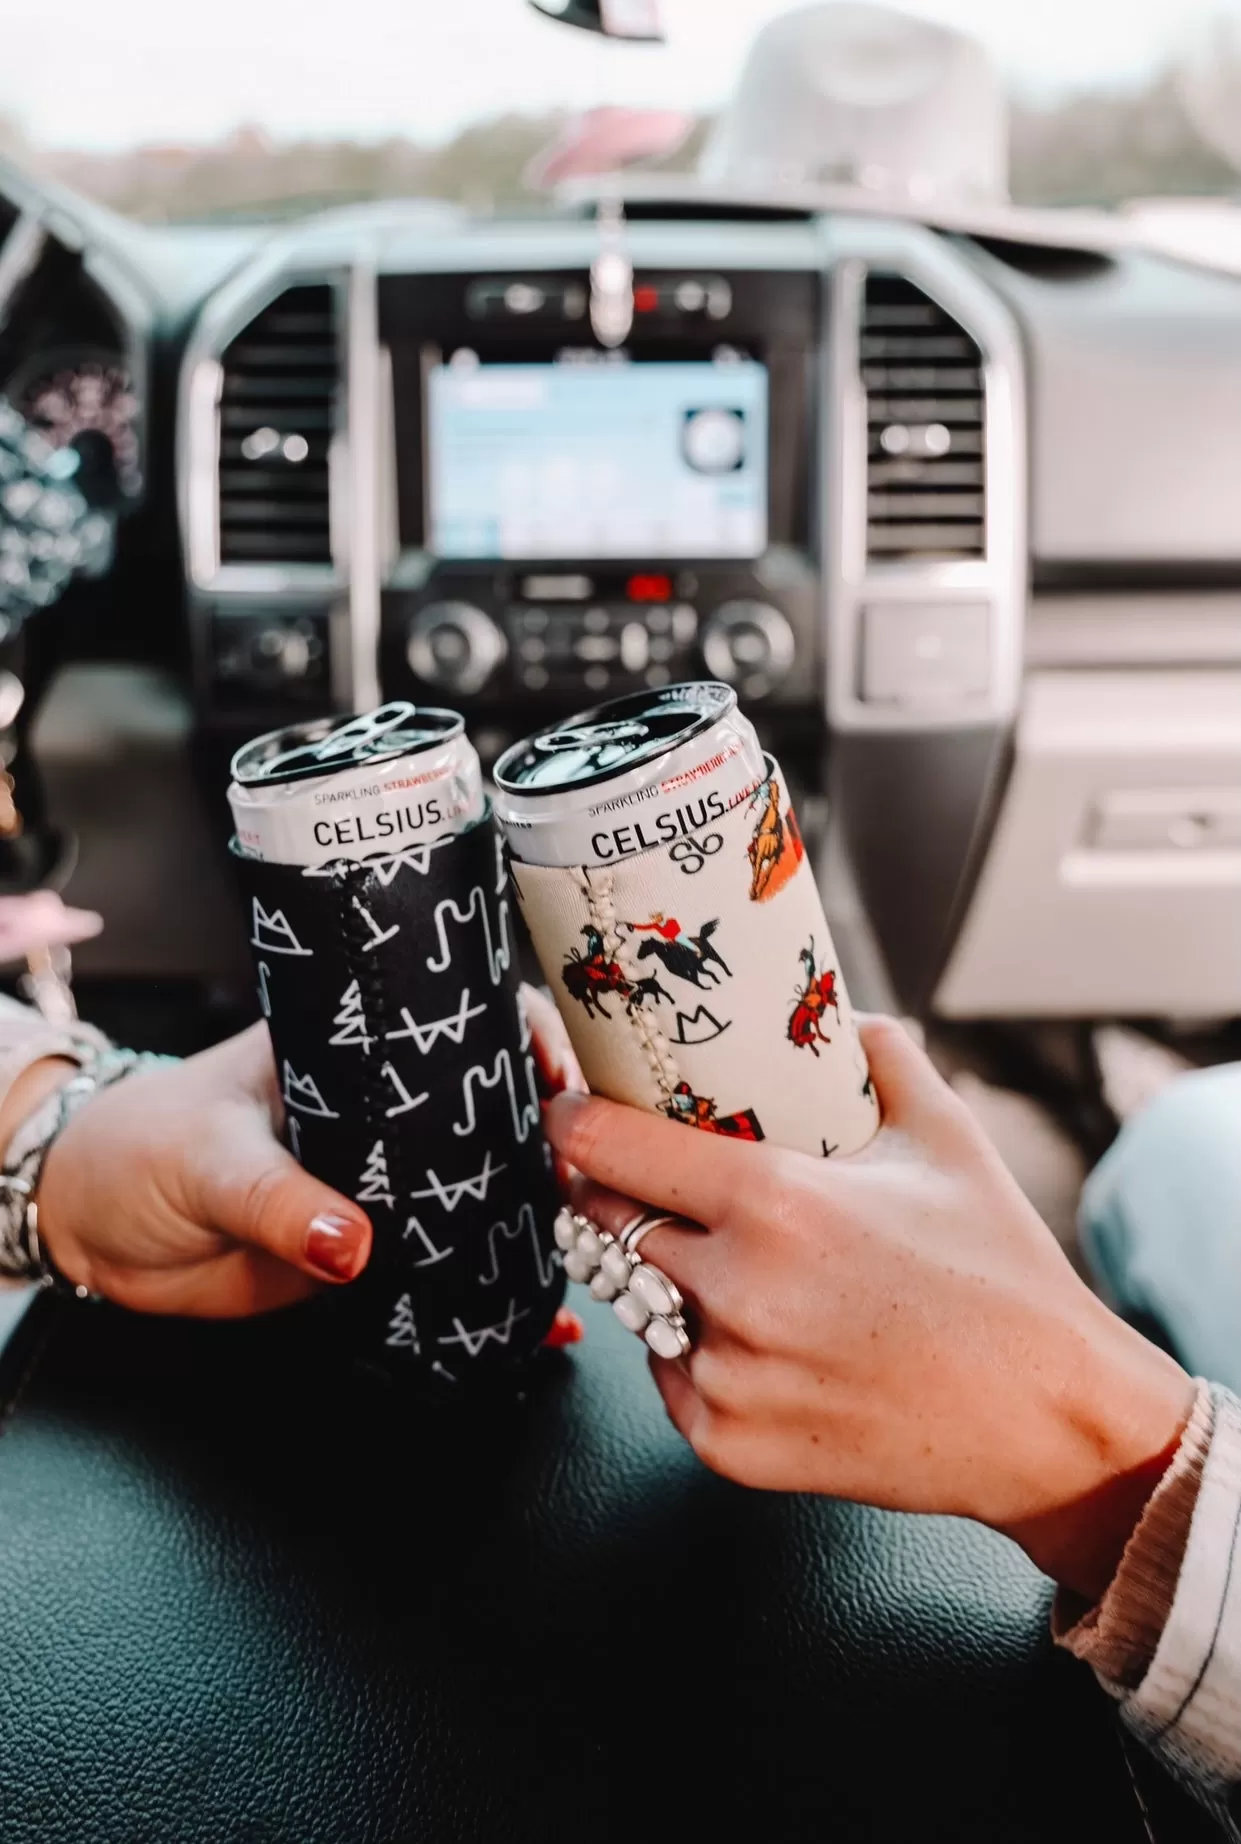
<point>636,773</point>
<point>356,787</point>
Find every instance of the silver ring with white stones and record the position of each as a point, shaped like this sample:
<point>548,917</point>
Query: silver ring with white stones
<point>647,1301</point>
<point>582,1244</point>
<point>620,1256</point>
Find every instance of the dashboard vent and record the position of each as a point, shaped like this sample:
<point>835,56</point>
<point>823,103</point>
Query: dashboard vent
<point>925,485</point>
<point>277,416</point>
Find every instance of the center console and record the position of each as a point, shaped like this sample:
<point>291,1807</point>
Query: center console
<point>573,522</point>
<point>414,465</point>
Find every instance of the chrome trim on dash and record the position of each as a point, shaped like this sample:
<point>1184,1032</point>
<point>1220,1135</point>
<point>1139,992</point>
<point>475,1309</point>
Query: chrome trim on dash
<point>361,498</point>
<point>851,579</point>
<point>19,256</point>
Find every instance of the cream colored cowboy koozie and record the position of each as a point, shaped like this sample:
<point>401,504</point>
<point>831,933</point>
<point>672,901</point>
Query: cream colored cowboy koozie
<point>700,981</point>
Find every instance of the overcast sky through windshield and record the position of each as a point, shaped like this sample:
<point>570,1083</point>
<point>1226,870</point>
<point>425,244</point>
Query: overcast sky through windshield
<point>78,74</point>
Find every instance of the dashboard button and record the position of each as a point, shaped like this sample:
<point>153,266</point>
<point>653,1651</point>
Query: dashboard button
<point>454,645</point>
<point>596,647</point>
<point>635,646</point>
<point>285,651</point>
<point>925,653</point>
<point>281,650</point>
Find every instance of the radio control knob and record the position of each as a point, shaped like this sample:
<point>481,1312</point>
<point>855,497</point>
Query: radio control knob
<point>748,643</point>
<point>455,645</point>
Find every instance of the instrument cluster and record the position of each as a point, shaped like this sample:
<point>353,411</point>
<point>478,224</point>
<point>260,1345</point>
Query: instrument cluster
<point>84,402</point>
<point>76,323</point>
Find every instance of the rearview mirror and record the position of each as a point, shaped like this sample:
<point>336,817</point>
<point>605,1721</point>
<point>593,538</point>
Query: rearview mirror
<point>638,19</point>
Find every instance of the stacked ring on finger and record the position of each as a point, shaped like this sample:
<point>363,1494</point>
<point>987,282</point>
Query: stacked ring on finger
<point>645,1299</point>
<point>581,1244</point>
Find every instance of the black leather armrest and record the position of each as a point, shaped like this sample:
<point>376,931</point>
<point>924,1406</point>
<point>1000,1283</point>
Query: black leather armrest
<point>247,1596</point>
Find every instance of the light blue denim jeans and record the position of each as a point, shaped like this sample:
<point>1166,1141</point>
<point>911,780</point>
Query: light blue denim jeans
<point>13,1303</point>
<point>1160,1221</point>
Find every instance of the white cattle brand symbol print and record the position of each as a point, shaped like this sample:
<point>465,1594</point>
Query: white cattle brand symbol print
<point>499,953</point>
<point>273,934</point>
<point>440,1370</point>
<point>452,1027</point>
<point>374,1184</point>
<point>413,1227</point>
<point>402,1330</point>
<point>525,1114</point>
<point>473,1342</point>
<point>302,1093</point>
<point>527,1029</point>
<point>501,867</point>
<point>384,870</point>
<point>378,935</point>
<point>350,1020</point>
<point>417,858</point>
<point>408,1102</point>
<point>450,1195</point>
<point>294,1129</point>
<point>264,995</point>
<point>545,1265</point>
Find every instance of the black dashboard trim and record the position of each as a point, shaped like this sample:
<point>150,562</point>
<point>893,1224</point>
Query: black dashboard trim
<point>775,315</point>
<point>917,809</point>
<point>1085,576</point>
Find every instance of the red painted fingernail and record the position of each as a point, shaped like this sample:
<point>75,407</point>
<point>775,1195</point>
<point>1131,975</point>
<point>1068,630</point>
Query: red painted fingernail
<point>334,1246</point>
<point>566,1329</point>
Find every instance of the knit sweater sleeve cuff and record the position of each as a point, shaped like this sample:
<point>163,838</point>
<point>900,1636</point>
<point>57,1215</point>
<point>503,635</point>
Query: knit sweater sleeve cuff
<point>1118,1638</point>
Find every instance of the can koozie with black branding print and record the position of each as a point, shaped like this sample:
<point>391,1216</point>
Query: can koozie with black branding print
<point>699,980</point>
<point>408,1082</point>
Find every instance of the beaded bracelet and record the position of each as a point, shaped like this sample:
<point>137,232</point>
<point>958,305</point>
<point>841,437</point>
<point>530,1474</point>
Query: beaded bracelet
<point>23,1255</point>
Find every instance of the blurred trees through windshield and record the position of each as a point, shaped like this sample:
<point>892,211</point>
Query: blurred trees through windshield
<point>1095,148</point>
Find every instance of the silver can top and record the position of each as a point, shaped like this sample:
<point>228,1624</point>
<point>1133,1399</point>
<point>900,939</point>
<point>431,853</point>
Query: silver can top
<point>613,739</point>
<point>328,745</point>
<point>627,776</point>
<point>352,788</point>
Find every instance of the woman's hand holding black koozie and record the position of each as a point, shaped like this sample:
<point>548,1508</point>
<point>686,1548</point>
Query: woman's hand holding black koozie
<point>408,1078</point>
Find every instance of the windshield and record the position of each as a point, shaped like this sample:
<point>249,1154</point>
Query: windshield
<point>266,109</point>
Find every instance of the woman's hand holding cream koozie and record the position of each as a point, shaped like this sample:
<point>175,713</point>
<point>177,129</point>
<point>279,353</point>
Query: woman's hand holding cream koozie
<point>686,945</point>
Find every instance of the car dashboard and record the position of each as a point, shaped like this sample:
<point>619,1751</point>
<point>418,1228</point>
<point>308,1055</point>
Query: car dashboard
<point>955,511</point>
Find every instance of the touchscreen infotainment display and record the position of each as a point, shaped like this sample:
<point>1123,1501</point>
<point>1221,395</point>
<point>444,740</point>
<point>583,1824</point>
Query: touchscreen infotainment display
<point>648,458</point>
